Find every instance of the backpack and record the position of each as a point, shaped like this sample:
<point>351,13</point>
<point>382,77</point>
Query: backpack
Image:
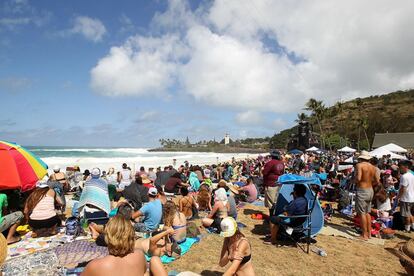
<point>73,227</point>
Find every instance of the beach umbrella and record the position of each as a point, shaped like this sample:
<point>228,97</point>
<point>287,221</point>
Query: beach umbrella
<point>19,168</point>
<point>347,149</point>
<point>312,149</point>
<point>295,151</point>
<point>394,148</point>
<point>380,152</point>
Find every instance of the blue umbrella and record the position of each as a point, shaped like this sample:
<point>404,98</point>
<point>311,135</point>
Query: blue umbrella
<point>295,151</point>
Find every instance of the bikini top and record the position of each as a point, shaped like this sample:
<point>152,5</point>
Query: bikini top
<point>245,258</point>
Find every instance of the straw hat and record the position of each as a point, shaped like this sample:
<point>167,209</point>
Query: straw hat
<point>228,227</point>
<point>364,155</point>
<point>233,189</point>
<point>145,179</point>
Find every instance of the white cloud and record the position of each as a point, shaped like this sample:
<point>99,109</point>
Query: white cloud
<point>279,123</point>
<point>142,66</point>
<point>91,28</point>
<point>15,14</point>
<point>228,55</point>
<point>249,118</point>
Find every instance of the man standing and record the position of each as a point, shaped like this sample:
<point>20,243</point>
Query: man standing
<point>366,179</point>
<point>406,194</point>
<point>271,172</point>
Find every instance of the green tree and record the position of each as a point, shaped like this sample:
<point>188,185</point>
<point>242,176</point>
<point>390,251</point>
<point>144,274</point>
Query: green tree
<point>318,112</point>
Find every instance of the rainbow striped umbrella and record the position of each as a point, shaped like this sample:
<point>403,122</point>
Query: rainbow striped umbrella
<point>19,168</point>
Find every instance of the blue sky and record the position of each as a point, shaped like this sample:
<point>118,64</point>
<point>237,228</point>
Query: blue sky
<point>126,73</point>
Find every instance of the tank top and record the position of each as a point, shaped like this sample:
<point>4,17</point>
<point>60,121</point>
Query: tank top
<point>125,178</point>
<point>45,209</point>
<point>222,212</point>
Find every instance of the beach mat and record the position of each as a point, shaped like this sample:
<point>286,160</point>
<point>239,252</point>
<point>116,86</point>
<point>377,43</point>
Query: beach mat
<point>258,203</point>
<point>341,231</point>
<point>185,247</point>
<point>74,253</point>
<point>40,263</point>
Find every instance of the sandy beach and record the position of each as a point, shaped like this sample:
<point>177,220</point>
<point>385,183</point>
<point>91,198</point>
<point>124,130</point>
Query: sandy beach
<point>344,256</point>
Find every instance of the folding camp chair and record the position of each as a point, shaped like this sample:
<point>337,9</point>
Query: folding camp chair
<point>303,228</point>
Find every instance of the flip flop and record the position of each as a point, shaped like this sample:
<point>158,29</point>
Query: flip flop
<point>16,241</point>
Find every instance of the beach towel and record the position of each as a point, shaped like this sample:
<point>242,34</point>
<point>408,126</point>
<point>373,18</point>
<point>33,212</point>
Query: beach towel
<point>41,263</point>
<point>76,252</point>
<point>185,247</point>
<point>194,182</point>
<point>95,195</point>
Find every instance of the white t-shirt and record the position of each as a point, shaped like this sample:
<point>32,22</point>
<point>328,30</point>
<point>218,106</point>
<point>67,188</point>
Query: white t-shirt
<point>407,181</point>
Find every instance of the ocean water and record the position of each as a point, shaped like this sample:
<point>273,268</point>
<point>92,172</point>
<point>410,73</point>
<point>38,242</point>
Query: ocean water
<point>104,158</point>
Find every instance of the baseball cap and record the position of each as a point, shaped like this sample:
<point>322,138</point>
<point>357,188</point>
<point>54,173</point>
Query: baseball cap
<point>153,191</point>
<point>96,172</point>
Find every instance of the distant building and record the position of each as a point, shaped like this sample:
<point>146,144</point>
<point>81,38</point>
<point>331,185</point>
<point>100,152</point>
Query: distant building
<point>403,139</point>
<point>226,139</point>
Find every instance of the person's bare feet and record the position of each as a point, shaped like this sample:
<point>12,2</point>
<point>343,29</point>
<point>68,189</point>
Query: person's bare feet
<point>13,240</point>
<point>94,233</point>
<point>362,238</point>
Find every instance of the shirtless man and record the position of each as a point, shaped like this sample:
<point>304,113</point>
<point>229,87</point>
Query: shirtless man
<point>366,179</point>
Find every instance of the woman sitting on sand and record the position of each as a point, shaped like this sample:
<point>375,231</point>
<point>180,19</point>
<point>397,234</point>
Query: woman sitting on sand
<point>236,249</point>
<point>220,210</point>
<point>175,219</point>
<point>123,258</point>
<point>186,204</point>
<point>40,210</point>
<point>204,198</point>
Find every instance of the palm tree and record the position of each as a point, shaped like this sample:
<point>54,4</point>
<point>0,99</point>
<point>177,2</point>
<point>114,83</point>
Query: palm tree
<point>364,125</point>
<point>318,111</point>
<point>301,117</point>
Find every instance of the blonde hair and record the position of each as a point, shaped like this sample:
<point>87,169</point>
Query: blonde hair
<point>119,236</point>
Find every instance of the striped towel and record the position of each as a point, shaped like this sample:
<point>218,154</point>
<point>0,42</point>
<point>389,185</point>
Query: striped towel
<point>95,192</point>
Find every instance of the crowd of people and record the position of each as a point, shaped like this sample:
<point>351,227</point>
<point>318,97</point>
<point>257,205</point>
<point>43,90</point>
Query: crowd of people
<point>160,204</point>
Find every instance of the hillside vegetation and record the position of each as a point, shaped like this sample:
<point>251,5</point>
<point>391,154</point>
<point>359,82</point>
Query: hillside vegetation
<point>355,122</point>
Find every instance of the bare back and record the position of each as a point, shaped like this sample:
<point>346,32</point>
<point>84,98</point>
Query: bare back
<point>132,264</point>
<point>366,175</point>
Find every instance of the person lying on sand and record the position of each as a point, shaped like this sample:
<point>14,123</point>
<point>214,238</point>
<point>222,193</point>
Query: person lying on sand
<point>236,249</point>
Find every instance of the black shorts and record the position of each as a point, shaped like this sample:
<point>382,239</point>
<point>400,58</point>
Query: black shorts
<point>44,223</point>
<point>217,224</point>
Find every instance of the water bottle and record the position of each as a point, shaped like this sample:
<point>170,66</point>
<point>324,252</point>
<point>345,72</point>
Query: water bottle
<point>320,252</point>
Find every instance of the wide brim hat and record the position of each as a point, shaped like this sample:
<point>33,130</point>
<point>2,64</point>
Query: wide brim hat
<point>145,179</point>
<point>234,190</point>
<point>228,227</point>
<point>365,155</point>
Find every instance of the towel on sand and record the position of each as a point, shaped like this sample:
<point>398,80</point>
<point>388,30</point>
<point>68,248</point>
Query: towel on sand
<point>185,247</point>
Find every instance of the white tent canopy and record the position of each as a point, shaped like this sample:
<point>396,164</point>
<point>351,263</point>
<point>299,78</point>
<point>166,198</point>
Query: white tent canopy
<point>380,152</point>
<point>312,149</point>
<point>347,149</point>
<point>393,148</point>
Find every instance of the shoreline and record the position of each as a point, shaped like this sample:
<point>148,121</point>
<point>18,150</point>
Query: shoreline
<point>211,150</point>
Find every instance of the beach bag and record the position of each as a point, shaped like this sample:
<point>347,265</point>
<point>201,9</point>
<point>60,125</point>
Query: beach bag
<point>73,227</point>
<point>397,221</point>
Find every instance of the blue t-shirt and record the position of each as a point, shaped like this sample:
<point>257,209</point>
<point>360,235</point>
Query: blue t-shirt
<point>297,207</point>
<point>152,212</point>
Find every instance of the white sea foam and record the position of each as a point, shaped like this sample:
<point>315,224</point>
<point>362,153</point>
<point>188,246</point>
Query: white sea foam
<point>146,159</point>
